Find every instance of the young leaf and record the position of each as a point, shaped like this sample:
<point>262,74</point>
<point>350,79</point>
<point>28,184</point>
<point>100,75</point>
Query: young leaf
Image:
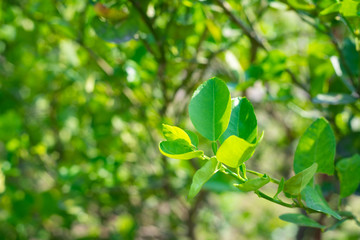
<point>179,149</point>
<point>316,145</point>
<point>202,176</point>
<point>243,121</point>
<point>301,5</point>
<point>280,188</point>
<point>253,184</point>
<point>297,183</point>
<point>348,170</point>
<point>315,200</point>
<point>210,108</point>
<point>193,138</point>
<point>349,8</point>
<point>172,133</point>
<point>300,220</point>
<point>333,8</point>
<point>234,151</point>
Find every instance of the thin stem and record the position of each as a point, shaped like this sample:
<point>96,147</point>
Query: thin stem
<point>228,171</point>
<point>248,31</point>
<point>214,147</point>
<point>273,180</point>
<point>263,195</point>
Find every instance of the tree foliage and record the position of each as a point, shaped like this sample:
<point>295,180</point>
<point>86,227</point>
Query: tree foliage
<point>86,85</point>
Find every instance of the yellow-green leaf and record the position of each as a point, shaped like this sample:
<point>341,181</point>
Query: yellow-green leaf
<point>253,184</point>
<point>297,183</point>
<point>202,176</point>
<point>172,133</point>
<point>179,149</point>
<point>235,151</point>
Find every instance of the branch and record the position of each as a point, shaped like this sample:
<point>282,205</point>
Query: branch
<point>248,31</point>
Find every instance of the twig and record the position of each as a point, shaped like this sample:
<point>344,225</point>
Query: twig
<point>248,31</point>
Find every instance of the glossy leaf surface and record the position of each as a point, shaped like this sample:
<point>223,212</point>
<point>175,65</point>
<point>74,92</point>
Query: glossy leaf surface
<point>172,133</point>
<point>210,108</point>
<point>243,121</point>
<point>235,151</point>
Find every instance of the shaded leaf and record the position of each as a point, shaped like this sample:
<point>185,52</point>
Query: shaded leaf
<point>111,14</point>
<point>316,145</point>
<point>220,183</point>
<point>314,199</point>
<point>202,176</point>
<point>300,220</point>
<point>115,33</point>
<point>348,170</point>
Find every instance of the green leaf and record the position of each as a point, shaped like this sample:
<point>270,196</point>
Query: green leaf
<point>235,151</point>
<point>115,33</point>
<point>301,5</point>
<point>348,170</point>
<point>253,184</point>
<point>333,8</point>
<point>202,176</point>
<point>300,220</point>
<point>352,58</point>
<point>220,183</point>
<point>172,133</point>
<point>297,183</point>
<point>193,138</point>
<point>210,108</point>
<point>350,8</point>
<point>179,149</point>
<point>334,98</point>
<point>314,199</point>
<point>243,121</point>
<point>316,145</point>
<point>280,188</point>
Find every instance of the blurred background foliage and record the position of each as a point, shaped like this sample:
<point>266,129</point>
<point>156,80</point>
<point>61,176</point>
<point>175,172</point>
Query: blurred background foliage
<point>85,86</point>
